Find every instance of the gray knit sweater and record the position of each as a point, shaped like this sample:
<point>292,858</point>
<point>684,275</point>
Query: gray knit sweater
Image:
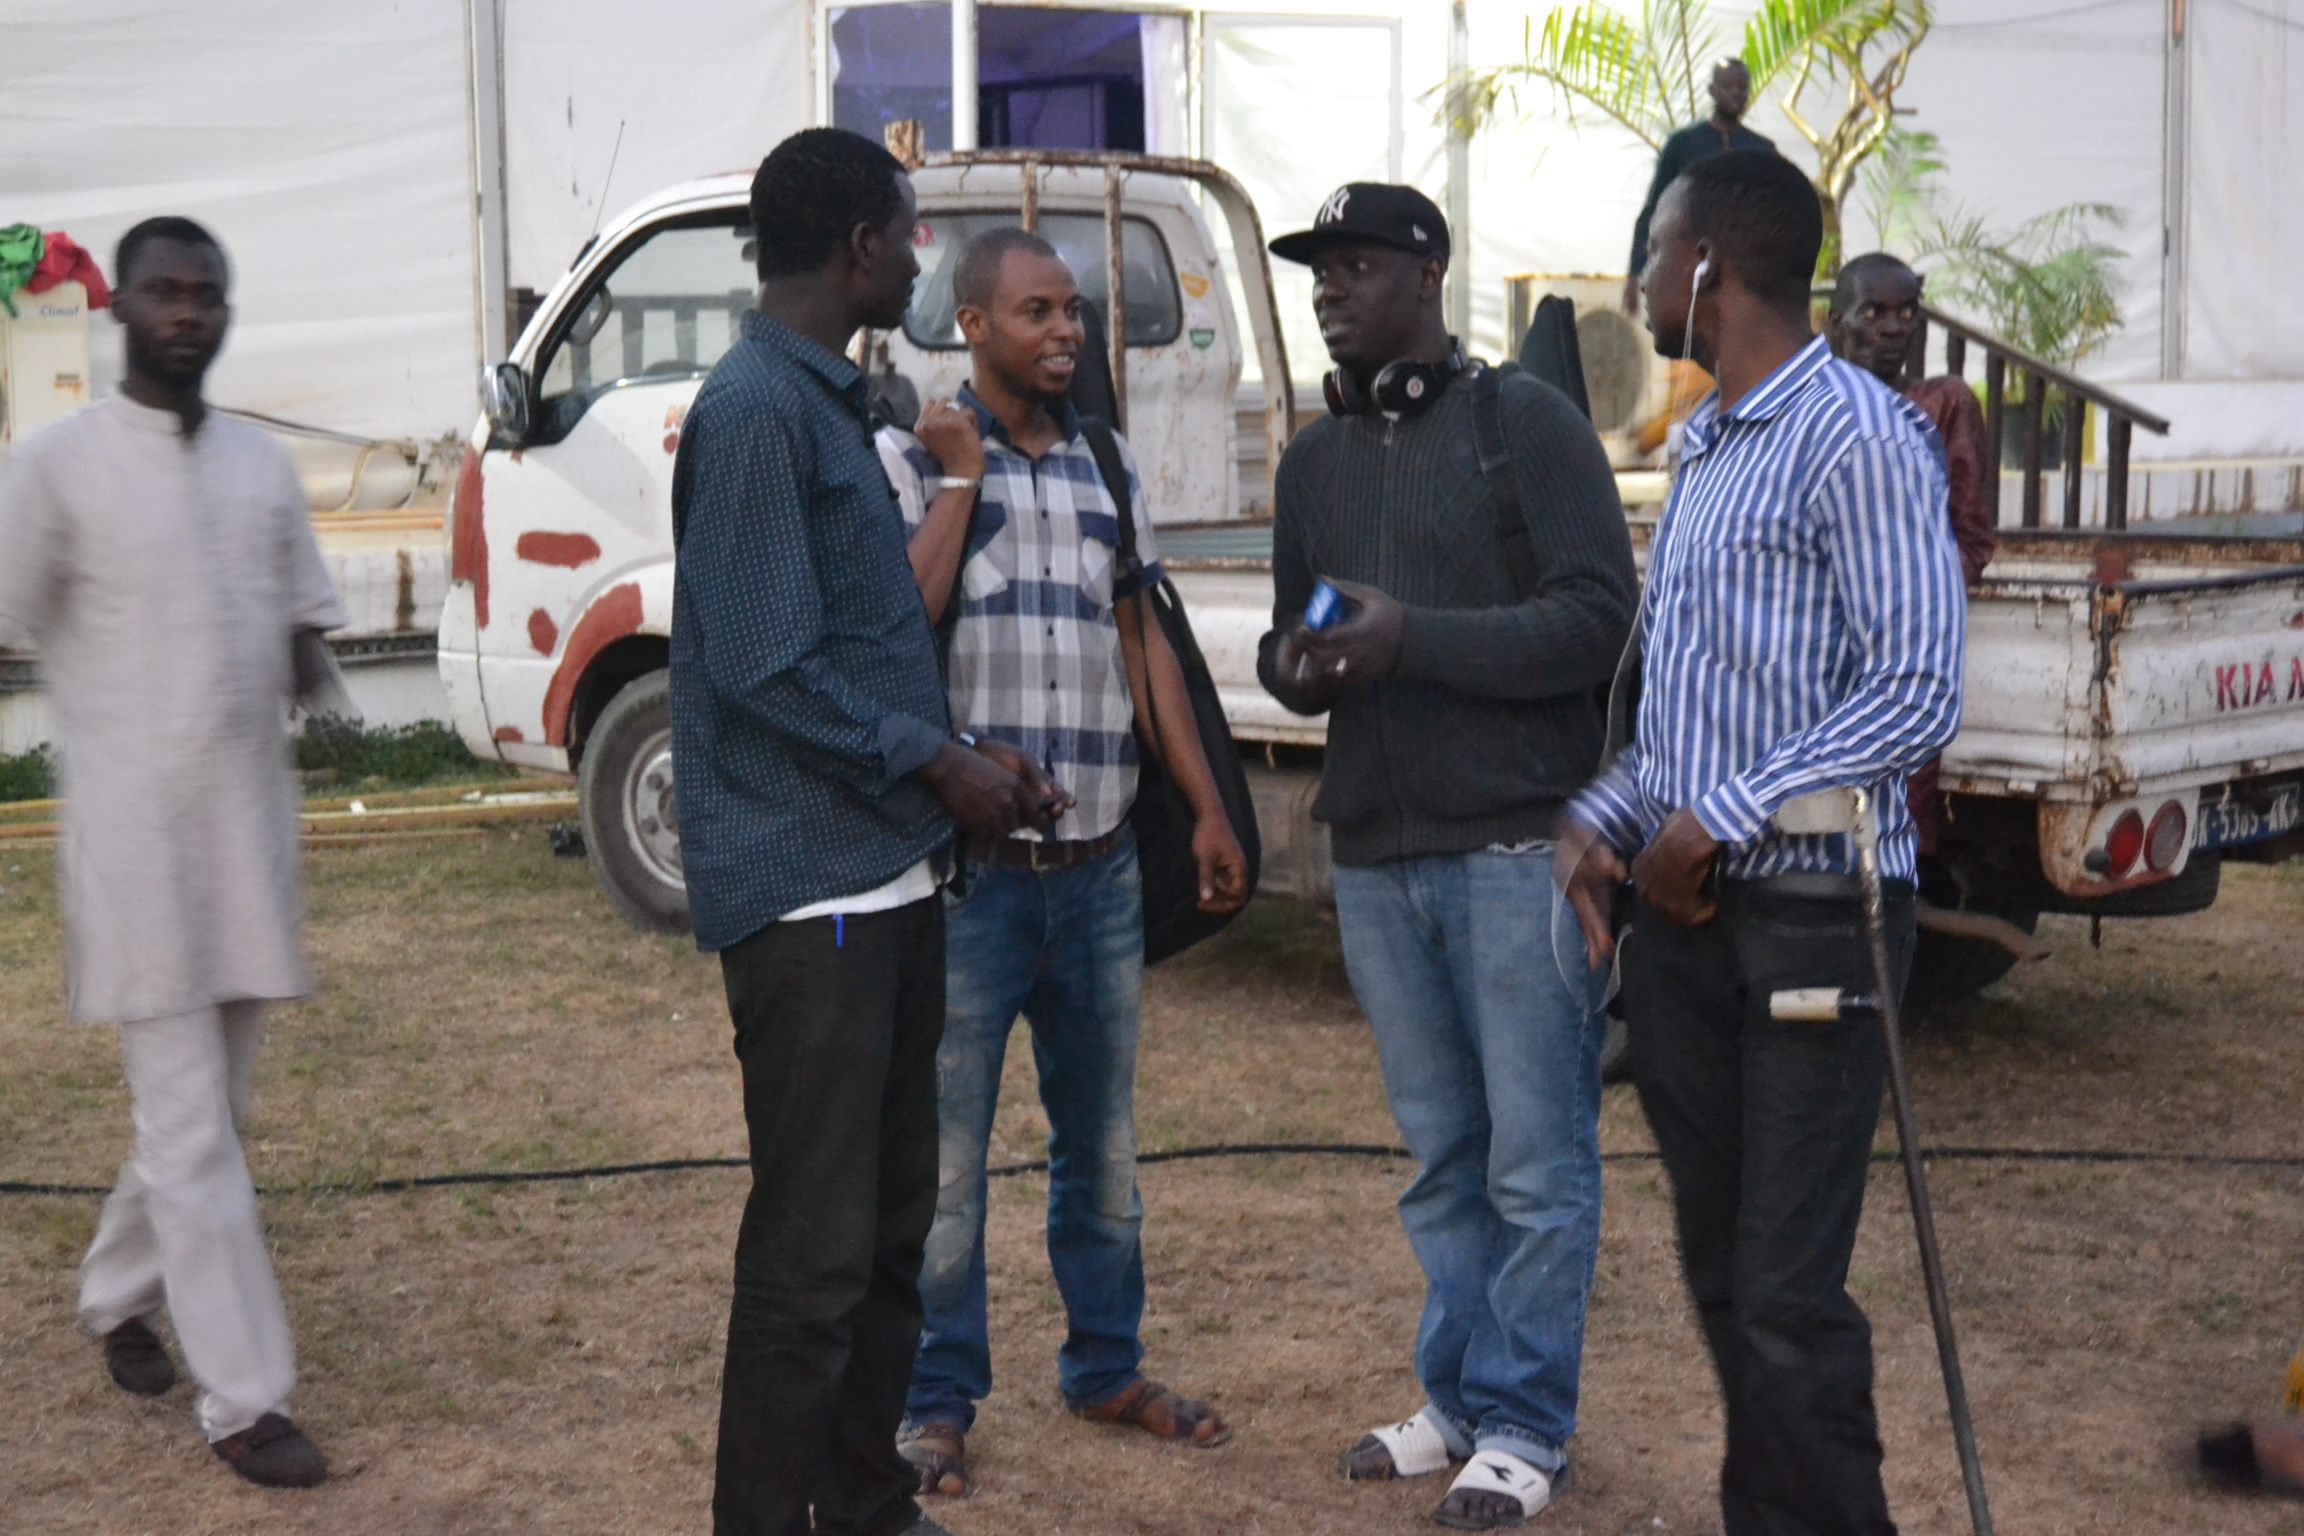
<point>1491,721</point>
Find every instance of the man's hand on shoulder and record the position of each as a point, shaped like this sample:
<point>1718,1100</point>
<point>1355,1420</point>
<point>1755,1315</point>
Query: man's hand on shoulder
<point>949,432</point>
<point>1363,647</point>
<point>1671,870</point>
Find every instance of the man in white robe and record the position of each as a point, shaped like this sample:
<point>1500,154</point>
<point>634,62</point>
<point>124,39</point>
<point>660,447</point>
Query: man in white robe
<point>160,560</point>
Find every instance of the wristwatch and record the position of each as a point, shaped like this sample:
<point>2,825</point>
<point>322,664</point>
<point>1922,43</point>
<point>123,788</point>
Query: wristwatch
<point>943,483</point>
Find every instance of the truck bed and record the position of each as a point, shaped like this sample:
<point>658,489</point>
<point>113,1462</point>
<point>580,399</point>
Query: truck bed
<point>2099,665</point>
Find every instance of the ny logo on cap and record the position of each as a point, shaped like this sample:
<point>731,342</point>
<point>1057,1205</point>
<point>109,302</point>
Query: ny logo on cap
<point>1332,211</point>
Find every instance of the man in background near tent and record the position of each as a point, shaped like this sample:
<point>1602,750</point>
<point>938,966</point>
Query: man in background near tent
<point>160,557</point>
<point>1804,632</point>
<point>1875,310</point>
<point>818,787</point>
<point>1724,130</point>
<point>1461,718</point>
<point>1016,546</point>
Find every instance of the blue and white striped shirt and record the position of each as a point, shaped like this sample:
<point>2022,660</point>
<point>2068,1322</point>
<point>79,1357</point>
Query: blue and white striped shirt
<point>1804,623</point>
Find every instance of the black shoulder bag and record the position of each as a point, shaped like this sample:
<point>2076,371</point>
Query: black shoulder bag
<point>1162,818</point>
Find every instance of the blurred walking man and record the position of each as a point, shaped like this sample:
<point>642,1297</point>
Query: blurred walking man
<point>819,781</point>
<point>1719,134</point>
<point>160,558</point>
<point>1461,718</point>
<point>1804,625</point>
<point>1017,545</point>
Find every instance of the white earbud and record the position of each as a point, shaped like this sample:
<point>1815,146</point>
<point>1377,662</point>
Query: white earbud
<point>1688,333</point>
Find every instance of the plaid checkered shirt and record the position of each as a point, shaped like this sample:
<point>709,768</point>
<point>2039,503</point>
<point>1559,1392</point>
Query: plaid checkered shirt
<point>1035,656</point>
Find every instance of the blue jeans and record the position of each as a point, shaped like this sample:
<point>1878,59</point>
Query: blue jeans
<point>1065,948</point>
<point>1490,1047</point>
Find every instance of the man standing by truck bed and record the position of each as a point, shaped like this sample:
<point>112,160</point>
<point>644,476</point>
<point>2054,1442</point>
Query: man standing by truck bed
<point>810,727</point>
<point>1018,548</point>
<point>1804,632</point>
<point>1462,719</point>
<point>161,559</point>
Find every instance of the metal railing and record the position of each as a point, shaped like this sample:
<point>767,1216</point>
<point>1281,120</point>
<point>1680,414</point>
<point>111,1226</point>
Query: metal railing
<point>2035,379</point>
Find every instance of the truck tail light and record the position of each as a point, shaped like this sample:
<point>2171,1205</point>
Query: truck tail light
<point>2125,841</point>
<point>2164,844</point>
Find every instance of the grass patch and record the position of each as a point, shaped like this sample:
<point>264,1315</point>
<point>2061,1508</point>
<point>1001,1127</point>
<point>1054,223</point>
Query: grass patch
<point>332,754</point>
<point>28,776</point>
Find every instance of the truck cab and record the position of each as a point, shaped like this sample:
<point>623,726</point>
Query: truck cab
<point>555,634</point>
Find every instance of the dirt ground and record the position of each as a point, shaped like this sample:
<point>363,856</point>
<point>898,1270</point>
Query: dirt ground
<point>544,1358</point>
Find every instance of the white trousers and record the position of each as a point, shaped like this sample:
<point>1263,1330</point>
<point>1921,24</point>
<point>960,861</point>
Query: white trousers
<point>181,1230</point>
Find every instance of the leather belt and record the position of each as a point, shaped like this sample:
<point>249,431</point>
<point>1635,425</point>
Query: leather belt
<point>1819,885</point>
<point>1047,853</point>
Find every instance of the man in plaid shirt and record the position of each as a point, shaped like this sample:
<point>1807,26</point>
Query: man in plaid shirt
<point>1050,651</point>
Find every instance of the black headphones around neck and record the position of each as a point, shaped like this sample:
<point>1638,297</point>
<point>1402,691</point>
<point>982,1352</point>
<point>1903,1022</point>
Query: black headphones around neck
<point>1400,388</point>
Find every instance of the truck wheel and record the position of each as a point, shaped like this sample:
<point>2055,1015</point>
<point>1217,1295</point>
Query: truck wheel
<point>631,823</point>
<point>1947,968</point>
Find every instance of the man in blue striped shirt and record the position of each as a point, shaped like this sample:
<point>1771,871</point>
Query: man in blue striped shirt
<point>1803,631</point>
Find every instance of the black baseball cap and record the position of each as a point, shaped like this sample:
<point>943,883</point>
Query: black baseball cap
<point>1374,211</point>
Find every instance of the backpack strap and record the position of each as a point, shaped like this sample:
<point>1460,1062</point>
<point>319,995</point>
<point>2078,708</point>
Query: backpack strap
<point>1502,477</point>
<point>1106,448</point>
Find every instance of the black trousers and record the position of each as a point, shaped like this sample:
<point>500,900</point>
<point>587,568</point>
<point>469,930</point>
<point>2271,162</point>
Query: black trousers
<point>837,1025</point>
<point>1766,1131</point>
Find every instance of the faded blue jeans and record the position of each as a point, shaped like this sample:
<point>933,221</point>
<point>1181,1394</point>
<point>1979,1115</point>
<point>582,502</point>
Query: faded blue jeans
<point>1489,1033</point>
<point>1065,948</point>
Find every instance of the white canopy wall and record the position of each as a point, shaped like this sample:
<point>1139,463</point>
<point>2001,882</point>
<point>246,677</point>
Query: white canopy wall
<point>332,148</point>
<point>325,145</point>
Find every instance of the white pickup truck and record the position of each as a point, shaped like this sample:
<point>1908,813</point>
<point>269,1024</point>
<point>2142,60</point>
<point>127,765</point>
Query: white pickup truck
<point>2135,702</point>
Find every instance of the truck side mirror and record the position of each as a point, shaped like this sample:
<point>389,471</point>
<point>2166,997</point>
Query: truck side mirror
<point>504,397</point>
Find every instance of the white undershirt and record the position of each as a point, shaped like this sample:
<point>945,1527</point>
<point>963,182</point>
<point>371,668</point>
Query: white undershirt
<point>916,884</point>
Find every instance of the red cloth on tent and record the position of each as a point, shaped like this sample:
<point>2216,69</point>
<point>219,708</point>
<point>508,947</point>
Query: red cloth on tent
<point>65,261</point>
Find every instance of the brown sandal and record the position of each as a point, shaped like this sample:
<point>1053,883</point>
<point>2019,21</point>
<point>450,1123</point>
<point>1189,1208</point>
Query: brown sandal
<point>1153,1408</point>
<point>940,1451</point>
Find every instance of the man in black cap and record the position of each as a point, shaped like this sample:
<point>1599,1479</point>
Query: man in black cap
<point>1461,718</point>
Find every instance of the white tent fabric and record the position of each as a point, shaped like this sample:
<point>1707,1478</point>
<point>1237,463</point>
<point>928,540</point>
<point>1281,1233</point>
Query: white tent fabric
<point>713,93</point>
<point>331,148</point>
<point>325,145</point>
<point>2245,220</point>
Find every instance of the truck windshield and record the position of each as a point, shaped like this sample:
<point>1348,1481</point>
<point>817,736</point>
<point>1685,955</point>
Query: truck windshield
<point>1155,309</point>
<point>668,309</point>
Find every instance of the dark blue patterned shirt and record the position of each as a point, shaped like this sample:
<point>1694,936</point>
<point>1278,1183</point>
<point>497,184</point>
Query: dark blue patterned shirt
<point>805,685</point>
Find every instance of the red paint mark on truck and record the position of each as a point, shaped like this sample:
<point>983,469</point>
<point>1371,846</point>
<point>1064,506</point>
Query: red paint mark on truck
<point>571,550</point>
<point>542,632</point>
<point>468,547</point>
<point>607,621</point>
<point>2244,685</point>
<point>511,733</point>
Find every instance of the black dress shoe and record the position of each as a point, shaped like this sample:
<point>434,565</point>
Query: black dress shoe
<point>138,1360</point>
<point>275,1454</point>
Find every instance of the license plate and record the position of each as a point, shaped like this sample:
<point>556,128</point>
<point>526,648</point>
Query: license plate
<point>2231,824</point>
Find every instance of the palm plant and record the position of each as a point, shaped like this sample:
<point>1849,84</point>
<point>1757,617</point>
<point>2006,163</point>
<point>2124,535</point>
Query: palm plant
<point>1649,74</point>
<point>2049,286</point>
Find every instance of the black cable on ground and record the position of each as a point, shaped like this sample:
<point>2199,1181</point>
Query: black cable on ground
<point>1174,1155</point>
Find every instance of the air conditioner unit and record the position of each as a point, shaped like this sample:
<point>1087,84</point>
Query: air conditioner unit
<point>1628,384</point>
<point>43,359</point>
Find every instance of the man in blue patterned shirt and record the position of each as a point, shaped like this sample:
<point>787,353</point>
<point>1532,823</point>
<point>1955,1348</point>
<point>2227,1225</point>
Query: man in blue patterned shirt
<point>1804,622</point>
<point>1016,547</point>
<point>819,781</point>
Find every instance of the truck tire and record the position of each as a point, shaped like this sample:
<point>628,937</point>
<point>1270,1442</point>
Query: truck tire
<point>631,821</point>
<point>1947,968</point>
